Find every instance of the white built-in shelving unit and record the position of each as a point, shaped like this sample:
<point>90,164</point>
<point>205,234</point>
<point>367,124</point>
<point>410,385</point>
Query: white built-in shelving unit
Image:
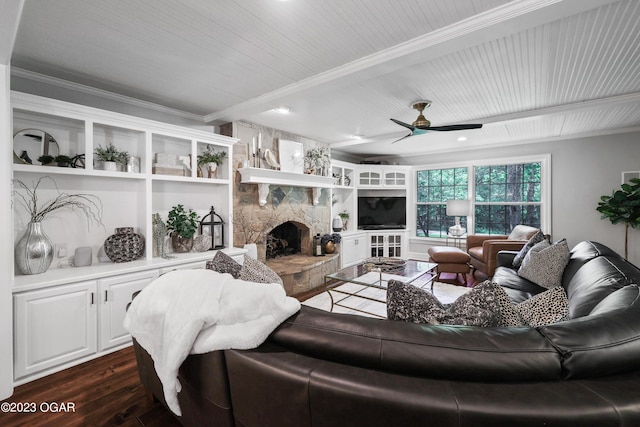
<point>68,315</point>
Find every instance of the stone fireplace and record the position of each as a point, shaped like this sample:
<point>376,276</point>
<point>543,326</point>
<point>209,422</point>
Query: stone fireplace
<point>282,222</point>
<point>288,238</point>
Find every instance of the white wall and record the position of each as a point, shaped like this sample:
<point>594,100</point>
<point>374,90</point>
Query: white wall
<point>582,170</point>
<point>6,250</point>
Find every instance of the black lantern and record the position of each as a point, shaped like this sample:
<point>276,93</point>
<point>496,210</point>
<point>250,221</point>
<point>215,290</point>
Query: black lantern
<point>217,229</point>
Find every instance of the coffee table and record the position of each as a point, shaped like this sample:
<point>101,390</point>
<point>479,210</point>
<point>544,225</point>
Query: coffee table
<point>367,281</point>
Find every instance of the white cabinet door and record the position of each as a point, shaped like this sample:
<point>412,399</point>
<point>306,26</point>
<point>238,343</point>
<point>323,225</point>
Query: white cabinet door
<point>54,326</point>
<point>395,178</point>
<point>115,293</point>
<point>387,244</point>
<point>353,249</point>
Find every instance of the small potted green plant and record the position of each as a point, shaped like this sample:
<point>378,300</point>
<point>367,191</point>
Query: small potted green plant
<point>46,159</point>
<point>111,156</point>
<point>183,224</point>
<point>344,215</point>
<point>62,160</point>
<point>210,160</point>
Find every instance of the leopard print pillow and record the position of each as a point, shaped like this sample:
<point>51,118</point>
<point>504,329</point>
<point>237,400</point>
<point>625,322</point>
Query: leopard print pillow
<point>545,308</point>
<point>255,271</point>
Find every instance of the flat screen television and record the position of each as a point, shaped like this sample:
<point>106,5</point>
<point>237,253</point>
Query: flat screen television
<point>380,213</point>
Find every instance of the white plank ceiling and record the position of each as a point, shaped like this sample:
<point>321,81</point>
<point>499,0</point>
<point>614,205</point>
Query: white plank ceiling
<point>529,70</point>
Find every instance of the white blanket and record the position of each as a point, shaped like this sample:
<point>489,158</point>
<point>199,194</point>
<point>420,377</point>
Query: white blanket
<point>197,311</point>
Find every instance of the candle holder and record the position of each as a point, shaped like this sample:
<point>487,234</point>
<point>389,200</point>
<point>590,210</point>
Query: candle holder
<point>216,227</point>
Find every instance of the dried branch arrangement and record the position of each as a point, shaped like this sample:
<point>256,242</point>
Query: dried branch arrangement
<point>90,205</point>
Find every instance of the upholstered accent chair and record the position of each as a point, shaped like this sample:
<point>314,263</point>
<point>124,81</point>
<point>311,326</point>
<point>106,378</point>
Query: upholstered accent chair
<point>483,248</point>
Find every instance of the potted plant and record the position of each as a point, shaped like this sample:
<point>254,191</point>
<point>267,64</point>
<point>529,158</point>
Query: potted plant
<point>183,225</point>
<point>62,160</point>
<point>623,206</point>
<point>34,251</point>
<point>46,159</point>
<point>111,156</point>
<point>317,161</point>
<point>211,160</point>
<point>344,215</point>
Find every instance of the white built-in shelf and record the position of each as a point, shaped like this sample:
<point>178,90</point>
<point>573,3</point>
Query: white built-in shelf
<point>267,177</point>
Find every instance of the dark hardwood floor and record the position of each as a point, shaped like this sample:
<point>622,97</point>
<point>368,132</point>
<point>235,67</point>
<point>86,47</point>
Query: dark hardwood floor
<point>105,392</point>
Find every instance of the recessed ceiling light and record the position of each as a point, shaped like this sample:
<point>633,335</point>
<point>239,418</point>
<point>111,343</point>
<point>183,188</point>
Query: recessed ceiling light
<point>462,138</point>
<point>283,110</point>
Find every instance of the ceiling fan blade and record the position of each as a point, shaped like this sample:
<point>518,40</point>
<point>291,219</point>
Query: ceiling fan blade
<point>407,125</point>
<point>407,136</point>
<point>454,127</point>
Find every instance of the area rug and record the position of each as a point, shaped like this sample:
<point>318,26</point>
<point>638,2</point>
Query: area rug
<point>445,293</point>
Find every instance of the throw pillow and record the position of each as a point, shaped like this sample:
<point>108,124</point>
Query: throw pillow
<point>544,263</point>
<point>223,263</point>
<point>478,307</point>
<point>534,240</point>
<point>255,271</point>
<point>411,304</point>
<point>486,305</point>
<point>545,308</point>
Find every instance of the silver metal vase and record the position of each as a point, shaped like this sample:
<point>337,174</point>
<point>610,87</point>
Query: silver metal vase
<point>34,251</point>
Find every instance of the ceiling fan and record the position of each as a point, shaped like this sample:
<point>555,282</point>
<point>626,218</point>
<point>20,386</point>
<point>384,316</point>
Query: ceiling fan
<point>421,125</point>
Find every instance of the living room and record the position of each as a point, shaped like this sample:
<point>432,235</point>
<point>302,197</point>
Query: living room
<point>550,82</point>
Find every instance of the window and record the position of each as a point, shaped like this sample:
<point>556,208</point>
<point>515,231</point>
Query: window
<point>502,197</point>
<point>434,188</point>
<point>505,196</point>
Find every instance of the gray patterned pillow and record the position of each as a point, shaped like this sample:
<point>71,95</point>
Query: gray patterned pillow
<point>535,239</point>
<point>478,307</point>
<point>411,304</point>
<point>486,305</point>
<point>544,263</point>
<point>223,263</point>
<point>545,308</point>
<point>255,271</point>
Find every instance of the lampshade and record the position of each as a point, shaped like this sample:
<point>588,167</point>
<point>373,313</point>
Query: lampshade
<point>458,207</point>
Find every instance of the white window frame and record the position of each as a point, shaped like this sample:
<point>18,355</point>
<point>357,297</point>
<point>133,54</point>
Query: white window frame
<point>545,189</point>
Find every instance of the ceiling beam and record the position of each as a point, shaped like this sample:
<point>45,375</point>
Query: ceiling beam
<point>490,25</point>
<point>574,107</point>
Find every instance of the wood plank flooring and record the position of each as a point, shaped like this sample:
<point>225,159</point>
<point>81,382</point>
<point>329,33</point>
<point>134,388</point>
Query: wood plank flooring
<point>105,392</point>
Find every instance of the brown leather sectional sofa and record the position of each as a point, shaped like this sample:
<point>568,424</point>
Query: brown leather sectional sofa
<point>325,369</point>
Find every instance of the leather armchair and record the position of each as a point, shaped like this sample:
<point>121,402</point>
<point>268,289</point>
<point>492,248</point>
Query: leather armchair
<point>483,248</point>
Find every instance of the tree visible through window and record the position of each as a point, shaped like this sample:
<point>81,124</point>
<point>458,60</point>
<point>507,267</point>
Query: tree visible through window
<point>434,188</point>
<point>504,196</point>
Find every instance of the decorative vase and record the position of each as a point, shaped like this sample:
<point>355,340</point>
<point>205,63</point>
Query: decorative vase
<point>181,244</point>
<point>212,170</point>
<point>34,251</point>
<point>110,166</point>
<point>337,223</point>
<point>125,245</point>
<point>252,250</point>
<point>329,247</point>
<point>202,243</point>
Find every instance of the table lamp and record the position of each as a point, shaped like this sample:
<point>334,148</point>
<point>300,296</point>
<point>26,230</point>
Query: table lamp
<point>457,208</point>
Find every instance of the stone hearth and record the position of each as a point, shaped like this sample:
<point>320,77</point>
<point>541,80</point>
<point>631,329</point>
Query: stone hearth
<point>302,273</point>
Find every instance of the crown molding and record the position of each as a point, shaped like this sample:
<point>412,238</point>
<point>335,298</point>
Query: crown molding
<point>104,94</point>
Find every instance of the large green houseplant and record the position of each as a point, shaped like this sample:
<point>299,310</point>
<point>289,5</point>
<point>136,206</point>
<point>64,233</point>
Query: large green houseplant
<point>623,206</point>
<point>183,225</point>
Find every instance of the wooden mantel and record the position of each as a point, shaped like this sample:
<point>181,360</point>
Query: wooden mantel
<point>266,177</point>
